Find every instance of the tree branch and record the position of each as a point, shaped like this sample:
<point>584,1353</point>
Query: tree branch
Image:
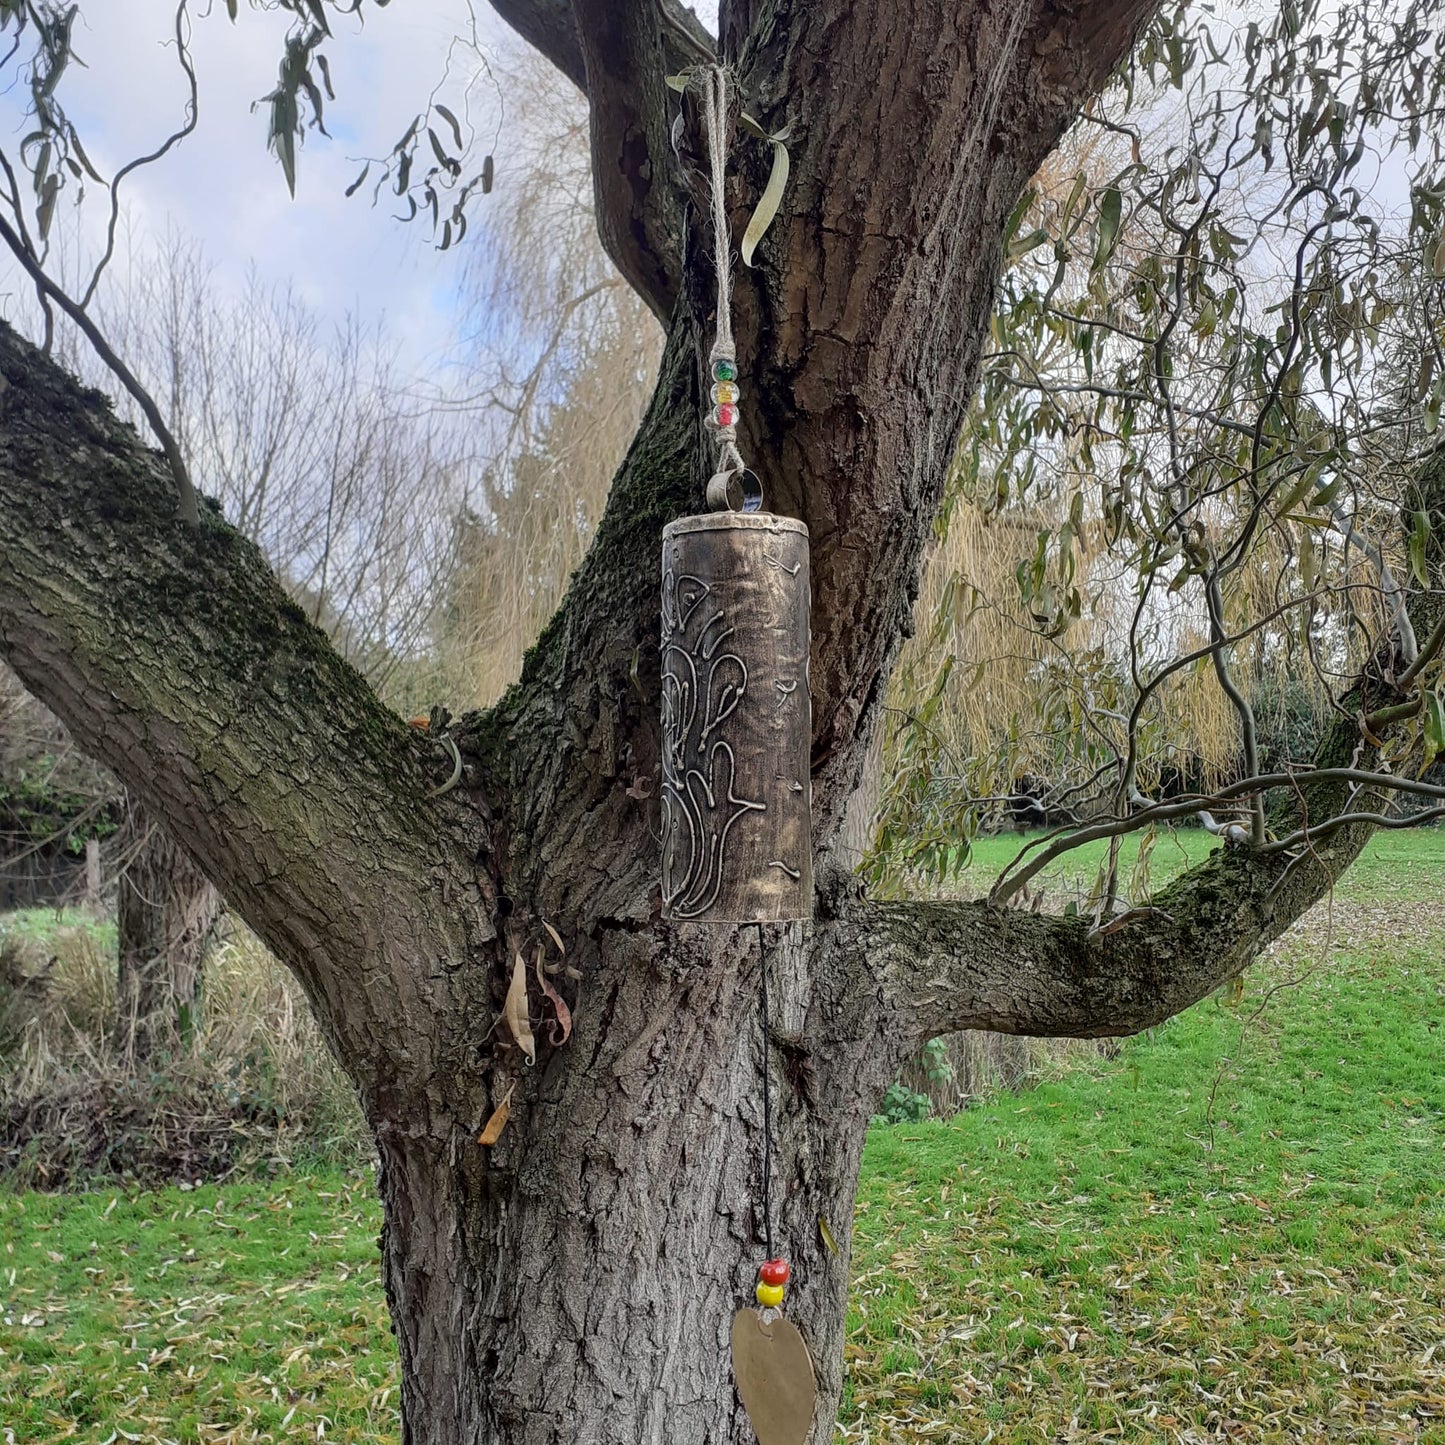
<point>550,28</point>
<point>618,52</point>
<point>175,658</point>
<point>639,216</point>
<point>941,967</point>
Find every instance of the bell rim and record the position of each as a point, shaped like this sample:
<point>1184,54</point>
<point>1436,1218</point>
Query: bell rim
<point>730,521</point>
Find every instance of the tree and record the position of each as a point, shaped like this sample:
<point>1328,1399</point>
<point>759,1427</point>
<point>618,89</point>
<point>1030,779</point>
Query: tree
<point>576,1280</point>
<point>1211,379</point>
<point>166,911</point>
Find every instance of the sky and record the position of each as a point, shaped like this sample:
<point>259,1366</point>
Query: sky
<point>223,187</point>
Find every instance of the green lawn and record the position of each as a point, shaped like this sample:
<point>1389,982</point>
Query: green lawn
<point>245,1312</point>
<point>1234,1230</point>
<point>1395,865</point>
<point>45,925</point>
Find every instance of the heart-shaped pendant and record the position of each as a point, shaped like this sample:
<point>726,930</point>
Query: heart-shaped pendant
<point>774,1376</point>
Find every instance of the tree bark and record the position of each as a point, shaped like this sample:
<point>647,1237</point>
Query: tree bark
<point>575,1280</point>
<point>166,911</point>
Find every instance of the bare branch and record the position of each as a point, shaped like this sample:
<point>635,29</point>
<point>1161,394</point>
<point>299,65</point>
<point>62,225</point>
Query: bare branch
<point>183,58</point>
<point>944,967</point>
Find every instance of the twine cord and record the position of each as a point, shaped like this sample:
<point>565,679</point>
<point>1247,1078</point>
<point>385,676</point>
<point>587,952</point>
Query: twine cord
<point>715,117</point>
<point>767,1102</point>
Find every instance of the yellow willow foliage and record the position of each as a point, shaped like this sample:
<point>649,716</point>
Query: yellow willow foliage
<point>570,380</point>
<point>1001,698</point>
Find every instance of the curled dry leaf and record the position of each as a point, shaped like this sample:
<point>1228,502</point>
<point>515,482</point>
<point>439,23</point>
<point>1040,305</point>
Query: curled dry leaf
<point>515,1011</point>
<point>492,1130</point>
<point>556,938</point>
<point>826,1235</point>
<point>561,1026</point>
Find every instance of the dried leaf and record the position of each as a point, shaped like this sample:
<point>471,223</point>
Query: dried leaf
<point>556,938</point>
<point>768,204</point>
<point>494,1126</point>
<point>515,1011</point>
<point>561,1026</point>
<point>826,1235</point>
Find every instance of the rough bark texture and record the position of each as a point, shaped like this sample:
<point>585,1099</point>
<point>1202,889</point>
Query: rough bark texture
<point>166,909</point>
<point>575,1281</point>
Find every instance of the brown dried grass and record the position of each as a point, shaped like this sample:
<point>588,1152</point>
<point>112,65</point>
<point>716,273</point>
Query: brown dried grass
<point>250,1085</point>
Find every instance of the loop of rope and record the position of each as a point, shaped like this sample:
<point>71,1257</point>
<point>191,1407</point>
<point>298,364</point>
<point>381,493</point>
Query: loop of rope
<point>722,360</point>
<point>715,114</point>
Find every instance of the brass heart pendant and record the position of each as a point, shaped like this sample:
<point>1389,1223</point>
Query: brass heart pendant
<point>774,1376</point>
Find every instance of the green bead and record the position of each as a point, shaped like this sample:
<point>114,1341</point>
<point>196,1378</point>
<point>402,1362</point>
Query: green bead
<point>724,371</point>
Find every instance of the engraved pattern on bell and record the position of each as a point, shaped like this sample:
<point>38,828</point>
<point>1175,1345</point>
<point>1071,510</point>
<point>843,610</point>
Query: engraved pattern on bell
<point>736,719</point>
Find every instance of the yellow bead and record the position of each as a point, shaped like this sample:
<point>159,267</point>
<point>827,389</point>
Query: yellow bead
<point>725,391</point>
<point>770,1296</point>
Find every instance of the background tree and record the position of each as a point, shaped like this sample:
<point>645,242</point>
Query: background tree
<point>166,912</point>
<point>1172,530</point>
<point>560,360</point>
<point>53,801</point>
<point>577,1277</point>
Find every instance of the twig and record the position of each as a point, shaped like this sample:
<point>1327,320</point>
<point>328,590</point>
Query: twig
<point>456,776</point>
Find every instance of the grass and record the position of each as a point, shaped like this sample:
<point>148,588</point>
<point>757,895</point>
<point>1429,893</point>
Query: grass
<point>1234,1230</point>
<point>46,927</point>
<point>224,1313</point>
<point>1395,865</point>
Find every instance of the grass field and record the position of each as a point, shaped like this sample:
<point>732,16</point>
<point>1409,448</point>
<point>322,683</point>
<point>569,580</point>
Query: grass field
<point>1233,1230</point>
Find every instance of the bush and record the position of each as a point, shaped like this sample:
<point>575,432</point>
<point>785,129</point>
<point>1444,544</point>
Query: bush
<point>902,1106</point>
<point>250,1084</point>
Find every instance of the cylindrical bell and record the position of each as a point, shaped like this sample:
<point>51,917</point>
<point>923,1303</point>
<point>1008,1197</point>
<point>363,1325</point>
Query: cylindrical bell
<point>736,719</point>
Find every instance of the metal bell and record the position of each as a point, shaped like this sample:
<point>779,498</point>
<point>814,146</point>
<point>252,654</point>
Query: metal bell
<point>736,719</point>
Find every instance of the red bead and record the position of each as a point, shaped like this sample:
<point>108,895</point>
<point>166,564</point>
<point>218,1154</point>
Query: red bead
<point>775,1271</point>
<point>727,415</point>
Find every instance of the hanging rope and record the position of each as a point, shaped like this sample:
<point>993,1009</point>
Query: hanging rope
<point>731,478</point>
<point>767,1103</point>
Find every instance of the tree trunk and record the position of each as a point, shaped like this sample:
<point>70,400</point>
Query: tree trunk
<point>93,886</point>
<point>166,911</point>
<point>577,1281</point>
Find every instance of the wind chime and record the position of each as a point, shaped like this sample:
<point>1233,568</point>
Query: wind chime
<point>736,732</point>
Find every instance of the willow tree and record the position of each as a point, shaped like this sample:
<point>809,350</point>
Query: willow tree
<point>576,1278</point>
